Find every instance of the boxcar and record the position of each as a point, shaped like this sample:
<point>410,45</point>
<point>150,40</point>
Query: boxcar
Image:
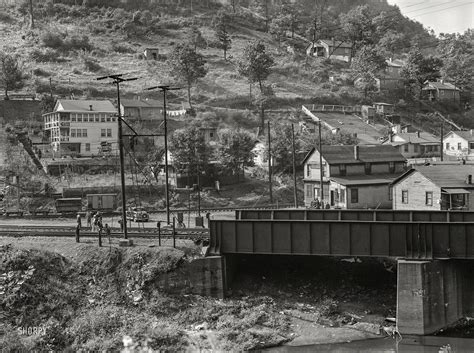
<point>69,205</point>
<point>103,202</point>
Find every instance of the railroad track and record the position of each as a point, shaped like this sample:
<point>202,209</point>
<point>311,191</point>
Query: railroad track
<point>57,231</point>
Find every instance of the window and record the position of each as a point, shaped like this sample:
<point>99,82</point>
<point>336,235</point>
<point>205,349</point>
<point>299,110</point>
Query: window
<point>79,132</point>
<point>343,195</point>
<point>459,146</point>
<point>102,132</point>
<point>108,118</point>
<point>368,168</point>
<point>88,147</point>
<point>404,196</point>
<point>390,193</point>
<point>405,147</point>
<point>471,145</point>
<point>211,134</point>
<point>102,118</point>
<point>73,132</point>
<point>391,167</point>
<point>342,169</point>
<point>109,132</point>
<point>447,145</point>
<point>354,195</point>
<point>96,118</point>
<point>79,118</point>
<point>84,132</point>
<point>308,171</point>
<point>309,191</point>
<point>429,198</point>
<point>73,117</point>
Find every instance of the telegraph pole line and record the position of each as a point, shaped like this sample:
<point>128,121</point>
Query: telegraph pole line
<point>270,164</point>
<point>295,192</point>
<point>164,89</point>
<point>116,80</point>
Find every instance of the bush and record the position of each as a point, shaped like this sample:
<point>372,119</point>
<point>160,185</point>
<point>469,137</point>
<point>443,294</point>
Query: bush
<point>78,43</point>
<point>52,40</point>
<point>90,64</point>
<point>40,72</point>
<point>122,48</point>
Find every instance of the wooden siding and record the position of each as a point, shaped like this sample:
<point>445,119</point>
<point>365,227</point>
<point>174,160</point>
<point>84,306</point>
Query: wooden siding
<point>370,196</point>
<point>417,186</point>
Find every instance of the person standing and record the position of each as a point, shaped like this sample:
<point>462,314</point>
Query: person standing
<point>89,219</point>
<point>78,227</point>
<point>99,225</point>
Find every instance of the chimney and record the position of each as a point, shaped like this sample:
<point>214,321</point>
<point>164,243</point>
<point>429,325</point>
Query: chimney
<point>356,152</point>
<point>90,107</point>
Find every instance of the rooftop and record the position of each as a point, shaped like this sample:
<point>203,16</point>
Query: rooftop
<point>440,85</point>
<point>367,154</point>
<point>444,176</point>
<point>467,135</point>
<point>69,105</point>
<point>139,103</point>
<point>414,137</point>
<point>336,43</point>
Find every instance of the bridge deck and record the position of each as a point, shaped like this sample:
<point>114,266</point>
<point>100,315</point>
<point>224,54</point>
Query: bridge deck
<point>411,240</point>
<point>358,215</point>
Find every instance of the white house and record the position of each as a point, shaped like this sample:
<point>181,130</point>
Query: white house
<point>435,187</point>
<point>330,49</point>
<point>415,144</point>
<point>459,144</point>
<point>82,127</point>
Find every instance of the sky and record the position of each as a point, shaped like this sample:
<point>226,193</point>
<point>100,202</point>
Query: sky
<point>443,16</point>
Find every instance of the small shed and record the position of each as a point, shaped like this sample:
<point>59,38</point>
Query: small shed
<point>384,108</point>
<point>151,53</point>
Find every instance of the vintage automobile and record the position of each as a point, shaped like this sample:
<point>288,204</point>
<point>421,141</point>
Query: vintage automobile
<point>138,214</point>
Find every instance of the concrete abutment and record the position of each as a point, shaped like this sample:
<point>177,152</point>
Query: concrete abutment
<point>432,295</point>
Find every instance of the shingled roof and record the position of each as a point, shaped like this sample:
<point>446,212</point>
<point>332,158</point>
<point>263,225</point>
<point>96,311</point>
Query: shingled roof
<point>367,154</point>
<point>444,176</point>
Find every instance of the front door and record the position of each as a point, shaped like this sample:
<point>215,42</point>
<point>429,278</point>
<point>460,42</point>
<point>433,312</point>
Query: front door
<point>332,197</point>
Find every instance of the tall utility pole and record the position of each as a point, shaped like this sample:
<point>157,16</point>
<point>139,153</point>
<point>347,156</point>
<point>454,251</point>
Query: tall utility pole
<point>164,89</point>
<point>442,142</point>
<point>116,80</point>
<point>270,164</point>
<point>321,168</point>
<point>295,192</point>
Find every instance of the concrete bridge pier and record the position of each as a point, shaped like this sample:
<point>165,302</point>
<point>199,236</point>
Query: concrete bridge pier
<point>432,295</point>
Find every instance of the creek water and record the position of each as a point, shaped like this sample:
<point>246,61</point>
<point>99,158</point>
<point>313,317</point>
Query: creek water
<point>411,344</point>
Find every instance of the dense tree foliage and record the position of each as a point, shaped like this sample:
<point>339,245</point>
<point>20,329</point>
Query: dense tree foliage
<point>189,149</point>
<point>11,74</point>
<point>366,65</point>
<point>234,151</point>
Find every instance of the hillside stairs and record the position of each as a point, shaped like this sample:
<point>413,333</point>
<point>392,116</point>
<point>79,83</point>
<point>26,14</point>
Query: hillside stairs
<point>23,138</point>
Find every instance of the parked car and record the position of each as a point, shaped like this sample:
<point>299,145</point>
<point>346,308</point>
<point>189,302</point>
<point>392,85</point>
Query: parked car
<point>138,214</point>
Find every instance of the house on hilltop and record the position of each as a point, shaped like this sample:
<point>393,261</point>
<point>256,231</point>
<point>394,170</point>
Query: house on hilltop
<point>435,187</point>
<point>330,48</point>
<point>440,90</point>
<point>82,127</point>
<point>353,176</point>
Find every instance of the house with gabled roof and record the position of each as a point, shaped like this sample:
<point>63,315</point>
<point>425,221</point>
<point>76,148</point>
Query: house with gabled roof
<point>353,176</point>
<point>330,49</point>
<point>415,144</point>
<point>440,90</point>
<point>459,144</point>
<point>435,187</point>
<point>82,127</point>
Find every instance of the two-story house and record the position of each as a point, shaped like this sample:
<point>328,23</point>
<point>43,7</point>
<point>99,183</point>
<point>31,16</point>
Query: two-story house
<point>353,176</point>
<point>415,144</point>
<point>82,127</point>
<point>435,187</point>
<point>459,144</point>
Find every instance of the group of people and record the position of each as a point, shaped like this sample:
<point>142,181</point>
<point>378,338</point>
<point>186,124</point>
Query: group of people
<point>320,205</point>
<point>94,222</point>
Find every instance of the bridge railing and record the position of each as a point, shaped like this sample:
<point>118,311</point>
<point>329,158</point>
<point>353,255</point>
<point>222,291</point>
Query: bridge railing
<point>358,215</point>
<point>411,240</point>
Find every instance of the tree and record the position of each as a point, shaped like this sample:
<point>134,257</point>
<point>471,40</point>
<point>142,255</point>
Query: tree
<point>234,150</point>
<point>256,65</point>
<point>11,74</point>
<point>282,152</point>
<point>418,70</point>
<point>367,63</point>
<point>220,23</point>
<point>189,150</point>
<point>357,27</point>
<point>391,42</point>
<point>195,38</point>
<point>278,27</point>
<point>186,65</point>
<point>291,11</point>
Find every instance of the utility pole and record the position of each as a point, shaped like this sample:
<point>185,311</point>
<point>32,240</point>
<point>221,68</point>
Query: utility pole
<point>164,89</point>
<point>116,80</point>
<point>295,192</point>
<point>321,168</point>
<point>270,164</point>
<point>442,142</point>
